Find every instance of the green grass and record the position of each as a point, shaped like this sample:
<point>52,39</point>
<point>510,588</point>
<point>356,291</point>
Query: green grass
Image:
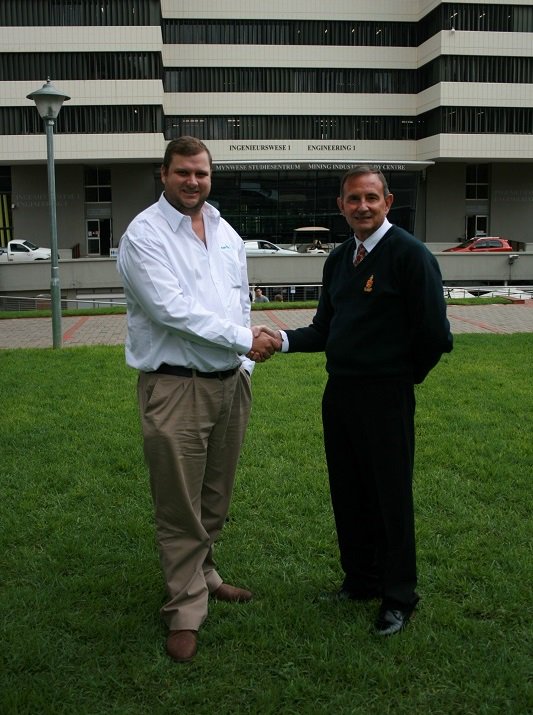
<point>80,584</point>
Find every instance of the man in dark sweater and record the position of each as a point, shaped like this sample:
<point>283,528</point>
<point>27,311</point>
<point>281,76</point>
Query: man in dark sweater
<point>382,322</point>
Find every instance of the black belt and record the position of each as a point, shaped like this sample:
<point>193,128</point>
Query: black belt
<point>165,369</point>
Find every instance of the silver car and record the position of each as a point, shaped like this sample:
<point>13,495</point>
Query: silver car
<point>265,248</point>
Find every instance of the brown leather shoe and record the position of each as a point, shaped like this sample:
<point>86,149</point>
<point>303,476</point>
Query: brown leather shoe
<point>181,645</point>
<point>225,592</point>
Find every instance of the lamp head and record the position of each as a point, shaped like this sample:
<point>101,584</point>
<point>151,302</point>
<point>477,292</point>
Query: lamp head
<point>48,100</point>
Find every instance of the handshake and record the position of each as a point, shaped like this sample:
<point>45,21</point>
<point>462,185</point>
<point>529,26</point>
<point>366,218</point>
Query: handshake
<point>265,343</point>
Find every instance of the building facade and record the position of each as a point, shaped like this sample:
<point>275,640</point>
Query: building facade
<point>439,95</point>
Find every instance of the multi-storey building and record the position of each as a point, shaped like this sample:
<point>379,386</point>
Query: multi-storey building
<point>287,95</point>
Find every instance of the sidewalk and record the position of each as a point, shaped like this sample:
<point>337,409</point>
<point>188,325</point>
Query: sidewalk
<point>111,329</point>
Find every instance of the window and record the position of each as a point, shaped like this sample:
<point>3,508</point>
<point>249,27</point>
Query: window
<point>79,65</point>
<point>477,181</point>
<point>290,32</point>
<point>287,79</point>
<point>452,68</point>
<point>476,17</point>
<point>97,185</point>
<point>476,120</point>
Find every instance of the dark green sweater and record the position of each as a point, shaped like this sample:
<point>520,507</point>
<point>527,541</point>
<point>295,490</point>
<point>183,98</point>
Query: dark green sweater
<point>385,318</point>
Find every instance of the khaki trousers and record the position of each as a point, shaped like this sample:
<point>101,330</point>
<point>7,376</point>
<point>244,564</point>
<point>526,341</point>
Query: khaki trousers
<point>193,430</point>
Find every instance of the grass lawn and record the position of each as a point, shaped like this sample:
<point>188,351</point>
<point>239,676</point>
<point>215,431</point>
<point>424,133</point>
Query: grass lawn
<point>80,584</point>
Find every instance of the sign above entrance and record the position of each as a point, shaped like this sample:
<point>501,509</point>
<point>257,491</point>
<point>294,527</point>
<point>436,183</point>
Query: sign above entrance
<point>318,165</point>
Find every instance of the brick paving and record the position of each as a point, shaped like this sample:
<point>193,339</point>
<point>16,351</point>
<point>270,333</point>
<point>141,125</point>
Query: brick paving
<point>111,329</point>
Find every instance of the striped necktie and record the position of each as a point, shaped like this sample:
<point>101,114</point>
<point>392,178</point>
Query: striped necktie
<point>361,253</point>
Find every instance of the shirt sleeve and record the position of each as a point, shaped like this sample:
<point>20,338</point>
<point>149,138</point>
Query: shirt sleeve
<point>155,287</point>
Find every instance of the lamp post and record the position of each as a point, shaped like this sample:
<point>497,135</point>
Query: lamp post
<point>49,101</point>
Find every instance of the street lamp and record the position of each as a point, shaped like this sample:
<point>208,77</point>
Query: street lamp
<point>49,101</point>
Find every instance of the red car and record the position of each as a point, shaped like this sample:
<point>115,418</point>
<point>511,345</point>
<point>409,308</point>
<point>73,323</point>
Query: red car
<point>490,244</point>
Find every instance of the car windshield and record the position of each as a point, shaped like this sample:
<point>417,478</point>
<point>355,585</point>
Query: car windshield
<point>467,243</point>
<point>31,245</point>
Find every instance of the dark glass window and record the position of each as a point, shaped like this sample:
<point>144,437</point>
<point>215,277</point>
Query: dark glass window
<point>287,79</point>
<point>468,68</point>
<point>476,120</point>
<point>97,184</point>
<point>347,128</point>
<point>477,181</point>
<point>5,179</point>
<point>109,119</point>
<point>37,66</point>
<point>290,32</point>
<point>476,17</point>
<point>270,205</point>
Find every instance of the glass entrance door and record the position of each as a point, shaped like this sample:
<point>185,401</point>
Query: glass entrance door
<point>477,225</point>
<point>99,239</point>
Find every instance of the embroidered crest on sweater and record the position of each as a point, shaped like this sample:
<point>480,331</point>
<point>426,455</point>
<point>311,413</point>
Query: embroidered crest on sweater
<point>369,285</point>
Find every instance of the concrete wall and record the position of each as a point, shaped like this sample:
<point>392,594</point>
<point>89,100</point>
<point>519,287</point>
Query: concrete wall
<point>100,275</point>
<point>133,189</point>
<point>31,219</point>
<point>445,205</point>
<point>512,201</point>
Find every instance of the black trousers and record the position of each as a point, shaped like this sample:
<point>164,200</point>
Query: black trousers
<point>369,441</point>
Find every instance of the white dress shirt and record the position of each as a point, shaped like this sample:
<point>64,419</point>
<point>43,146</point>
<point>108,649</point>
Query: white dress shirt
<point>373,240</point>
<point>188,302</point>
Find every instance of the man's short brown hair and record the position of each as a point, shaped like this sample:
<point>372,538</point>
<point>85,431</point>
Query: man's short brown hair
<point>185,146</point>
<point>360,170</point>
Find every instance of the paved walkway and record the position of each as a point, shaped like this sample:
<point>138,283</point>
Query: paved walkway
<point>111,329</point>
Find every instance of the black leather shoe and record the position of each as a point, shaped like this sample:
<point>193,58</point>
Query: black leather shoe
<point>391,621</point>
<point>344,594</point>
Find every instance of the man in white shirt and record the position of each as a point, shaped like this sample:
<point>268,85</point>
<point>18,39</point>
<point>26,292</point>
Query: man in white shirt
<point>186,285</point>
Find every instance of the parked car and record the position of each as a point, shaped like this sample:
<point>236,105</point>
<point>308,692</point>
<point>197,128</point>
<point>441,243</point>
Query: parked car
<point>265,248</point>
<point>487,244</point>
<point>20,251</point>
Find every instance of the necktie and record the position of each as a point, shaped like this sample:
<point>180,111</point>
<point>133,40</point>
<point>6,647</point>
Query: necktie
<point>361,253</point>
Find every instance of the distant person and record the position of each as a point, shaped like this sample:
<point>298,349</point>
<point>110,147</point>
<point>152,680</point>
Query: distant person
<point>259,297</point>
<point>381,320</point>
<point>186,285</point>
<point>278,298</point>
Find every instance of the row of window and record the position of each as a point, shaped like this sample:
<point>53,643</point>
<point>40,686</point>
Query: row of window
<point>119,119</point>
<point>290,32</point>
<point>457,120</point>
<point>382,81</point>
<point>18,66</point>
<point>464,68</point>
<point>459,16</point>
<point>287,79</point>
<point>147,65</point>
<point>149,119</point>
<point>476,17</point>
<point>27,13</point>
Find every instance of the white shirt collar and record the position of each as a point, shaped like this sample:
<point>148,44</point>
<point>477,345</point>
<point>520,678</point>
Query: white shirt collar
<point>372,241</point>
<point>174,217</point>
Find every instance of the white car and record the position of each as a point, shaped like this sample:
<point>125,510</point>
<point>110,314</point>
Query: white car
<point>265,248</point>
<point>19,251</point>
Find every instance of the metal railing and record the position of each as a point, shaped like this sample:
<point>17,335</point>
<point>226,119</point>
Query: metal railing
<point>285,293</point>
